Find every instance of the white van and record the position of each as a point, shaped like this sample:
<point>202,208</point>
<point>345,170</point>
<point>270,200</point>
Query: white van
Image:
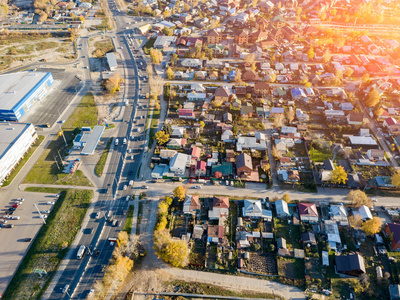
<point>124,141</point>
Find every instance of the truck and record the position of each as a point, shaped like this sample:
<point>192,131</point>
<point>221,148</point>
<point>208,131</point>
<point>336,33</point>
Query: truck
<point>81,251</point>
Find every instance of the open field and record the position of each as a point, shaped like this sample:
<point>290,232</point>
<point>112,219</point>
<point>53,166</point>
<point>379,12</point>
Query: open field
<point>102,160</point>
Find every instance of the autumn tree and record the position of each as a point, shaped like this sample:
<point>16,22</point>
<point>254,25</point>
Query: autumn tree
<point>348,72</point>
<point>112,84</point>
<point>180,192</point>
<point>175,253</point>
<point>202,124</point>
<point>290,115</point>
<point>378,110</point>
<point>355,221</point>
<point>370,227</point>
<point>278,120</point>
<point>155,56</point>
<point>170,73</point>
<point>238,76</point>
<point>372,98</point>
<point>174,59</point>
<point>161,137</point>
<point>310,53</point>
<point>358,198</point>
<point>396,179</point>
<point>275,153</point>
<point>286,197</point>
<point>250,58</point>
<point>339,175</point>
<point>365,78</point>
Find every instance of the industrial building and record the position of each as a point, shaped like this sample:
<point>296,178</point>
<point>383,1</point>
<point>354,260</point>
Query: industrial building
<point>88,139</point>
<point>112,62</point>
<point>16,139</point>
<point>19,92</point>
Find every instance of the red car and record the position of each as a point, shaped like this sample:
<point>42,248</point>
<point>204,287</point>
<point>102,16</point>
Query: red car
<point>15,205</point>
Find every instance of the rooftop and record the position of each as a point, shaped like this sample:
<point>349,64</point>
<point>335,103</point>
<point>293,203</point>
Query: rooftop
<point>9,133</point>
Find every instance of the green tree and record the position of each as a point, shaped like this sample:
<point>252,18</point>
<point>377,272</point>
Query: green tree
<point>180,193</point>
<point>161,137</point>
<point>370,227</point>
<point>339,175</point>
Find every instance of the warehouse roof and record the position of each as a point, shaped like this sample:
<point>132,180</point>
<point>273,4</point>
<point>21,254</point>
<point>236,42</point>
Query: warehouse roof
<point>9,133</point>
<point>15,86</point>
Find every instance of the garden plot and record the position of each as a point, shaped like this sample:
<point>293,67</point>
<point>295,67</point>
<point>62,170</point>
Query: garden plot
<point>262,263</point>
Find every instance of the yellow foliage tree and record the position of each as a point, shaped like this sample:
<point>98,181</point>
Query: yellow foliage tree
<point>373,226</point>
<point>358,198</point>
<point>396,179</point>
<point>170,73</point>
<point>180,192</point>
<point>161,137</point>
<point>278,120</point>
<point>373,98</point>
<point>112,84</point>
<point>176,253</point>
<point>339,175</point>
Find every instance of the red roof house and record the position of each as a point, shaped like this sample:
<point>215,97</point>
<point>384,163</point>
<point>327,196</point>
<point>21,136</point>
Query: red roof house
<point>392,230</point>
<point>308,212</point>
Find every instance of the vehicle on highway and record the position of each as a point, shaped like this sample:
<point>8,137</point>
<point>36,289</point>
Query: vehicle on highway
<point>97,215</point>
<point>65,288</point>
<point>197,186</point>
<point>81,251</point>
<point>109,215</point>
<point>21,199</point>
<point>129,150</point>
<point>50,203</point>
<point>112,243</point>
<point>128,198</point>
<point>374,199</point>
<point>114,223</point>
<point>27,239</point>
<point>132,157</point>
<point>145,187</point>
<point>15,217</point>
<point>116,142</point>
<point>45,211</point>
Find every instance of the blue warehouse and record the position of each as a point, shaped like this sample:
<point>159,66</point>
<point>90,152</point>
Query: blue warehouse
<point>19,92</point>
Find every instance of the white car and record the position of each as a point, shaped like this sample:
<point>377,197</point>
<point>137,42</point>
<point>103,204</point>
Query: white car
<point>197,186</point>
<point>56,195</point>
<point>15,217</point>
<point>125,187</point>
<point>3,221</point>
<point>7,217</point>
<point>50,203</point>
<point>91,293</point>
<point>44,216</point>
<point>374,199</point>
<point>97,215</point>
<point>46,211</point>
<point>21,199</point>
<point>130,182</point>
<point>128,198</point>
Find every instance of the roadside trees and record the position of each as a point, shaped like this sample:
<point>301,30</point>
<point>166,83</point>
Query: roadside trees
<point>161,137</point>
<point>359,198</point>
<point>112,83</point>
<point>396,179</point>
<point>180,193</point>
<point>373,226</point>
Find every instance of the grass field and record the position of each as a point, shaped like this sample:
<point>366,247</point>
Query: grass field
<point>98,170</point>
<point>50,246</point>
<point>44,190</point>
<point>128,221</point>
<point>318,156</point>
<point>102,47</point>
<point>23,161</point>
<point>45,171</point>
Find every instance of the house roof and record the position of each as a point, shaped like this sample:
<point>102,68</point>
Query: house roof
<point>394,291</point>
<point>201,165</point>
<point>307,209</point>
<point>395,229</point>
<point>308,237</point>
<point>350,262</point>
<point>191,203</point>
<point>225,168</point>
<point>183,112</point>
<point>356,117</point>
<point>281,207</point>
<point>221,202</point>
<point>261,86</point>
<point>242,33</point>
<point>390,121</point>
<point>212,32</point>
<point>328,165</point>
<point>215,231</point>
<point>196,151</point>
<point>222,92</point>
<point>244,160</point>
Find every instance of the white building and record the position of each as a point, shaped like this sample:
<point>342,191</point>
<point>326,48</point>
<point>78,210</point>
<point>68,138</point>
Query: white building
<point>282,209</point>
<point>179,163</point>
<point>253,209</point>
<point>16,139</point>
<point>249,142</point>
<point>112,61</point>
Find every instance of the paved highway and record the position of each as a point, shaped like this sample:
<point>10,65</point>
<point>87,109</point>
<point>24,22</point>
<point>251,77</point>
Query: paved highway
<point>81,274</point>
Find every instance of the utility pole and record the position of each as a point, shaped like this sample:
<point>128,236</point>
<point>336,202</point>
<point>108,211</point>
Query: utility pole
<point>40,214</point>
<point>55,159</point>
<point>62,133</point>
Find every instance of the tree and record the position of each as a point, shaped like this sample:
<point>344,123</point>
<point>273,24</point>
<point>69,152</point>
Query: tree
<point>202,124</point>
<point>310,53</point>
<point>180,192</point>
<point>155,56</point>
<point>339,175</point>
<point>396,179</point>
<point>167,128</point>
<point>275,153</point>
<point>286,197</point>
<point>365,78</point>
<point>176,253</point>
<point>250,58</point>
<point>186,7</point>
<point>290,115</point>
<point>373,98</point>
<point>174,59</point>
<point>170,73</point>
<point>161,137</point>
<point>278,120</point>
<point>238,76</point>
<point>358,198</point>
<point>167,31</point>
<point>355,221</point>
<point>112,84</point>
<point>378,110</point>
<point>370,227</point>
<point>348,72</point>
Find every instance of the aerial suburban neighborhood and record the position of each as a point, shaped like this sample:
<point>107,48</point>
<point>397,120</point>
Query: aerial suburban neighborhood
<point>215,149</point>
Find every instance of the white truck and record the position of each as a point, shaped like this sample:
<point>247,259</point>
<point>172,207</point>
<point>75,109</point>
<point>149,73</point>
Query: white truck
<point>81,251</point>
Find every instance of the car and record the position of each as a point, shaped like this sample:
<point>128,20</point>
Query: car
<point>15,205</point>
<point>132,157</point>
<point>197,186</point>
<point>114,223</point>
<point>130,182</point>
<point>10,212</point>
<point>50,203</point>
<point>112,243</point>
<point>15,217</point>
<point>18,202</point>
<point>129,150</point>
<point>7,217</point>
<point>9,226</point>
<point>97,215</point>
<point>145,187</point>
<point>125,187</point>
<point>232,183</point>
<point>44,216</point>
<point>2,225</point>
<point>227,182</point>
<point>57,195</point>
<point>65,288</point>
<point>128,198</point>
<point>96,253</point>
<point>12,209</point>
<point>91,293</point>
<point>21,199</point>
<point>3,221</point>
<point>46,211</point>
<point>27,239</point>
<point>374,199</point>
<point>143,117</point>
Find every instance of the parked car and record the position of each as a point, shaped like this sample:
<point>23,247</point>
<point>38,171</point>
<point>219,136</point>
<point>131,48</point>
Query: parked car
<point>50,203</point>
<point>21,199</point>
<point>65,288</point>
<point>7,217</point>
<point>12,209</point>
<point>125,187</point>
<point>197,186</point>
<point>374,199</point>
<point>145,187</point>
<point>15,217</point>
<point>96,253</point>
<point>46,211</point>
<point>9,226</point>
<point>44,216</point>
<point>3,221</point>
<point>15,205</point>
<point>27,239</point>
<point>97,215</point>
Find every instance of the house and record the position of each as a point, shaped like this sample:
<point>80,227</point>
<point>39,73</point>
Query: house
<point>338,213</point>
<point>167,154</point>
<point>364,212</point>
<point>177,132</point>
<point>227,118</point>
<point>185,113</point>
<point>250,75</point>
<point>196,153</point>
<point>308,212</point>
<point>350,264</point>
<point>346,106</point>
<point>308,238</point>
<point>389,122</point>
<point>392,230</point>
<point>282,209</point>
<point>215,234</point>
<point>332,231</point>
<point>213,37</point>
<point>244,164</point>
<point>191,62</point>
<point>176,143</point>
<point>301,116</point>
<point>366,141</point>
<point>222,94</point>
<point>253,209</point>
<point>355,118</point>
<point>334,114</point>
<point>281,243</point>
<point>326,172</point>
<point>257,51</point>
<point>262,24</point>
<point>259,36</point>
<point>220,208</point>
<point>179,163</point>
<point>261,88</point>
<point>200,168</point>
<point>191,204</point>
<point>376,154</point>
<point>247,110</point>
<point>241,37</point>
<point>394,291</point>
<point>227,136</point>
<point>257,142</point>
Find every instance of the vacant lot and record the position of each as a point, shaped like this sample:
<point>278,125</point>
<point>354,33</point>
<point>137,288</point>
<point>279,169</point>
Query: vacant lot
<point>50,245</point>
<point>101,47</point>
<point>46,170</point>
<point>292,268</point>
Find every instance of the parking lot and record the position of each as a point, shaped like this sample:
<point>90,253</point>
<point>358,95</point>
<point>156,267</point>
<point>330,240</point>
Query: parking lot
<point>13,245</point>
